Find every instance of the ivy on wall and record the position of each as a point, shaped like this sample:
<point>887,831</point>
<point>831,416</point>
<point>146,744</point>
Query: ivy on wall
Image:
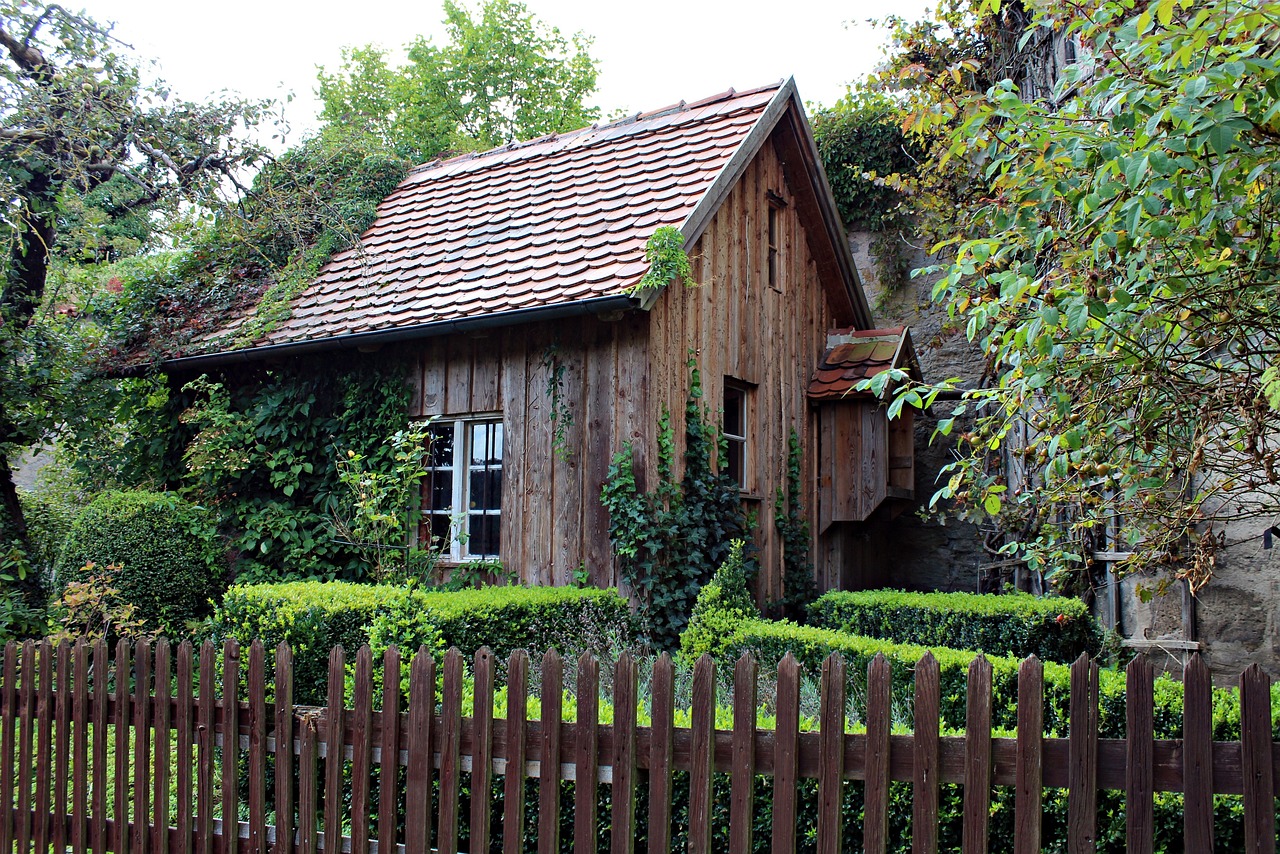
<point>669,540</point>
<point>798,587</point>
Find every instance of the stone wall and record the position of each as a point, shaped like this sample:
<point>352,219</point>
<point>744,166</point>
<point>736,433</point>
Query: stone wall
<point>1236,617</point>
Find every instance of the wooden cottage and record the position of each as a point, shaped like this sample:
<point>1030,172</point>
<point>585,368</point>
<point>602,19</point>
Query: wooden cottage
<point>503,278</point>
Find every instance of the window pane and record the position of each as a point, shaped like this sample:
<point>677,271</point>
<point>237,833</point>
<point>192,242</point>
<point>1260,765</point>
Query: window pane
<point>486,489</point>
<point>440,491</point>
<point>733,400</point>
<point>441,447</point>
<point>733,465</point>
<point>484,533</point>
<point>440,531</point>
<point>486,443</point>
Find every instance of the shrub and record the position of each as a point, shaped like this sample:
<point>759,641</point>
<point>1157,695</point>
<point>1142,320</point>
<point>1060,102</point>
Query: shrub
<point>723,603</point>
<point>1017,624</point>
<point>171,562</point>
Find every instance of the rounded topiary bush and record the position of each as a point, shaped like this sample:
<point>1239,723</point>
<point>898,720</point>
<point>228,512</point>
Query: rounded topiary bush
<point>171,562</point>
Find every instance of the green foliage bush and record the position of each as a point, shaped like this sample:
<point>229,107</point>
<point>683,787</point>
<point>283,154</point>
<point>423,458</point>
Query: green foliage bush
<point>723,603</point>
<point>172,562</point>
<point>1017,624</point>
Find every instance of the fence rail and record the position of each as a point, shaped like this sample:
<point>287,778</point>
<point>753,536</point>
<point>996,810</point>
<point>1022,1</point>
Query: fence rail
<point>77,773</point>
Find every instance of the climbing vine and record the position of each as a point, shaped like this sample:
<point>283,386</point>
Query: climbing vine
<point>671,539</point>
<point>561,414</point>
<point>667,261</point>
<point>798,588</point>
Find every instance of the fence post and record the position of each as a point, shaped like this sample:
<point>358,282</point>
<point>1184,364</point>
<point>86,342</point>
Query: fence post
<point>361,750</point>
<point>62,747</point>
<point>1029,777</point>
<point>660,753</point>
<point>80,755</point>
<point>257,697</point>
<point>307,779</point>
<point>517,752</point>
<point>786,756</point>
<point>205,732</point>
<point>26,745</point>
<point>1255,749</point>
<point>1082,796</point>
<point>230,747</point>
<point>584,759</point>
<point>977,756</point>
<point>1139,766</point>
<point>622,835</point>
<point>742,784</point>
<point>924,812</point>
<point>123,670</point>
<point>549,754</point>
<point>44,747</point>
<point>160,800</point>
<point>876,812</point>
<point>185,737</point>
<point>831,754</point>
<point>8,723</point>
<point>702,743</point>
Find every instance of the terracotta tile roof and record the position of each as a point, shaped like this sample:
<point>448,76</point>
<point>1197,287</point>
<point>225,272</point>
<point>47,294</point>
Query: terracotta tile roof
<point>554,220</point>
<point>858,355</point>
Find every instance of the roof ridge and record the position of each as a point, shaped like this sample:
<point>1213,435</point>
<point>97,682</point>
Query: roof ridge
<point>683,106</point>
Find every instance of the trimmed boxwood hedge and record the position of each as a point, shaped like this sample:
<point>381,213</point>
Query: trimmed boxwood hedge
<point>1014,624</point>
<point>314,616</point>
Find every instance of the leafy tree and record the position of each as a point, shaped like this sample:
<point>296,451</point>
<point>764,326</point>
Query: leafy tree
<point>1119,272</point>
<point>502,75</point>
<point>83,139</point>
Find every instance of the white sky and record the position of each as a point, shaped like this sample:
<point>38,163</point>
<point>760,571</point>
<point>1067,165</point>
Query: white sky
<point>651,53</point>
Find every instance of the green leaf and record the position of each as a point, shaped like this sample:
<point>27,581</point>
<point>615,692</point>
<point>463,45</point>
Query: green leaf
<point>992,504</point>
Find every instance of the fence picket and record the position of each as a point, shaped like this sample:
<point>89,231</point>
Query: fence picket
<point>977,757</point>
<point>361,750</point>
<point>230,747</point>
<point>481,748</point>
<point>786,756</point>
<point>661,748</point>
<point>622,835</point>
<point>160,799</point>
<point>283,776</point>
<point>924,807</point>
<point>61,746</point>
<point>743,776</point>
<point>585,760</point>
<point>1139,803</point>
<point>98,711</point>
<point>257,696</point>
<point>549,754</point>
<point>1197,755</point>
<point>308,779</point>
<point>1256,753</point>
<point>8,730</point>
<point>517,752</point>
<point>876,822</point>
<point>831,754</point>
<point>450,743</point>
<point>205,745</point>
<point>26,746</point>
<point>1082,797</point>
<point>123,671</point>
<point>79,756</point>
<point>389,768</point>
<point>701,754</point>
<point>417,799</point>
<point>1028,786</point>
<point>185,737</point>
<point>141,746</point>
<point>333,758</point>
<point>44,747</point>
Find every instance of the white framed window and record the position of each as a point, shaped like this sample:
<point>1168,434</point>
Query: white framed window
<point>462,493</point>
<point>737,412</point>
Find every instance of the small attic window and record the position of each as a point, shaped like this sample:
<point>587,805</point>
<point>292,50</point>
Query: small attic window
<point>773,246</point>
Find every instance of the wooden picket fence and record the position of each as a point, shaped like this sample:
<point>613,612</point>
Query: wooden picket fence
<point>177,788</point>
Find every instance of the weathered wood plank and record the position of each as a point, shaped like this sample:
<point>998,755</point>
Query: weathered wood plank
<point>205,724</point>
<point>513,812</point>
<point>786,756</point>
<point>977,757</point>
<point>515,463</point>
<point>552,696</point>
<point>44,748</point>
<point>1028,792</point>
<point>120,815</point>
<point>9,714</point>
<point>26,746</point>
<point>876,823</point>
<point>163,747</point>
<point>481,747</point>
<point>743,776</point>
<point>80,771</point>
<point>585,759</point>
<point>284,750</point>
<point>333,727</point>
<point>1139,784</point>
<point>257,697</point>
<point>308,780</point>
<point>568,455</point>
<point>924,812</point>
<point>1256,751</point>
<point>231,746</point>
<point>361,749</point>
<point>433,377</point>
<point>450,745</point>
<point>660,755</point>
<point>623,758</point>
<point>539,501</point>
<point>702,744</point>
<point>1082,799</point>
<point>831,755</point>
<point>459,356</point>
<point>389,767</point>
<point>417,799</point>
<point>61,746</point>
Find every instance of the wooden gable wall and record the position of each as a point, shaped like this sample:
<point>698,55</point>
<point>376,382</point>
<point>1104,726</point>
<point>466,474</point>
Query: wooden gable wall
<point>742,328</point>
